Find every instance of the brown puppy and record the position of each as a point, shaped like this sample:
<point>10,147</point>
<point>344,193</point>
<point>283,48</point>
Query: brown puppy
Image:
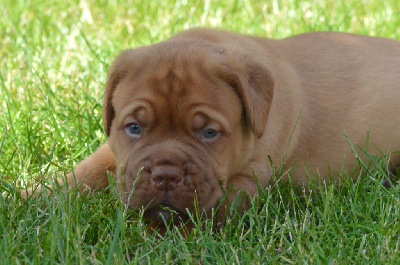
<point>200,111</point>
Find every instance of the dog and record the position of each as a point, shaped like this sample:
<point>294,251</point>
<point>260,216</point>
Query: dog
<point>202,113</point>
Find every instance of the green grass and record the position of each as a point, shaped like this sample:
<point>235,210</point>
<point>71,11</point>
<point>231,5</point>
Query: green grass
<point>53,65</point>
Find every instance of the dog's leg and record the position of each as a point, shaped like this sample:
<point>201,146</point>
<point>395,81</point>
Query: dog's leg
<point>89,174</point>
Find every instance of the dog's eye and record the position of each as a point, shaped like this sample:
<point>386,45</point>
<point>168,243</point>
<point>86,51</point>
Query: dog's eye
<point>209,133</point>
<point>133,129</point>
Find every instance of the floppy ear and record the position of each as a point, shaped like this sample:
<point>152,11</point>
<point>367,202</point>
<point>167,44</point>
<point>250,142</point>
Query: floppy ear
<point>116,73</point>
<point>254,84</point>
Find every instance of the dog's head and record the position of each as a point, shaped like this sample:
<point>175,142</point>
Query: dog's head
<point>186,112</point>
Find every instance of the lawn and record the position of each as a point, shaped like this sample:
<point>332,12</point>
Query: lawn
<point>54,59</point>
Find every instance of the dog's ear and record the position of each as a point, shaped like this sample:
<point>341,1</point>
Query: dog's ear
<point>254,84</point>
<point>117,72</point>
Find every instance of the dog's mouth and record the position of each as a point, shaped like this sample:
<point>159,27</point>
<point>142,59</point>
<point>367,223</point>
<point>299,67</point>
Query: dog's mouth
<point>166,213</point>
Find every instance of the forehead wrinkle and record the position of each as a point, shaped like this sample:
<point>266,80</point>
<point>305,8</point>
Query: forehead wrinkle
<point>136,104</point>
<point>174,67</point>
<point>172,79</point>
<point>177,78</point>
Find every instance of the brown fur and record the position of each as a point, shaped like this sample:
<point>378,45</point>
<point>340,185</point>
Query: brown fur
<point>289,99</point>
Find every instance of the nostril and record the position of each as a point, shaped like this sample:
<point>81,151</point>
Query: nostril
<point>166,177</point>
<point>166,182</point>
<point>159,180</point>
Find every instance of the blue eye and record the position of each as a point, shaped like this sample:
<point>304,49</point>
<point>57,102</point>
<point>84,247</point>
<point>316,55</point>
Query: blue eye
<point>209,133</point>
<point>133,129</point>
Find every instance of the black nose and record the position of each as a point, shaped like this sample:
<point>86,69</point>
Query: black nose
<point>166,177</point>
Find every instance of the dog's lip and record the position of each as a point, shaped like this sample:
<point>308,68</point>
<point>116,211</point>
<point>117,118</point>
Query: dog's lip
<point>163,212</point>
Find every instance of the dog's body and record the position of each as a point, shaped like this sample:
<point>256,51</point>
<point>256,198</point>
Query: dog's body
<point>200,111</point>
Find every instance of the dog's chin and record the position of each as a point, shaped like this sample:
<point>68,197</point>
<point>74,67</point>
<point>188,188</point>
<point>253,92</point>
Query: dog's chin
<point>166,213</point>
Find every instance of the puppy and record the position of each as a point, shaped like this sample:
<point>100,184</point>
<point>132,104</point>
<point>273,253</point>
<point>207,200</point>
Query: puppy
<point>194,116</point>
